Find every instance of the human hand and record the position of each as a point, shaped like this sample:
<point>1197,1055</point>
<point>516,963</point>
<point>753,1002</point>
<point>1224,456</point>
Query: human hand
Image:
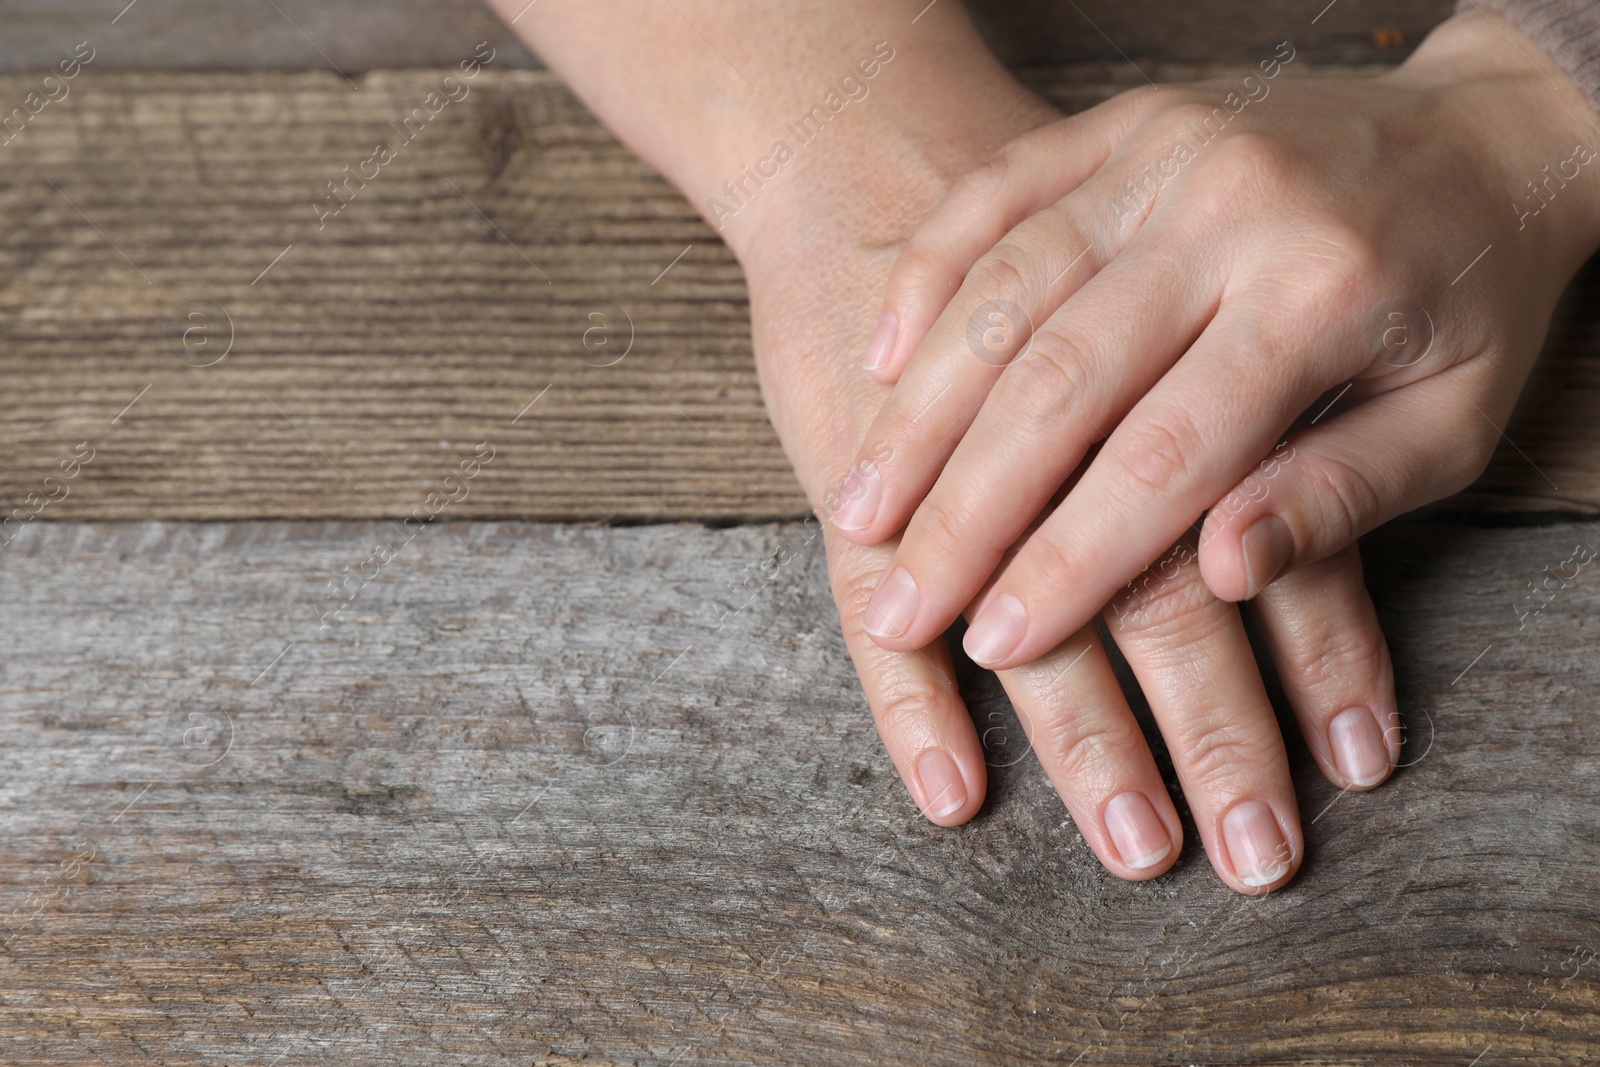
<point>1187,272</point>
<point>1188,650</point>
<point>817,245</point>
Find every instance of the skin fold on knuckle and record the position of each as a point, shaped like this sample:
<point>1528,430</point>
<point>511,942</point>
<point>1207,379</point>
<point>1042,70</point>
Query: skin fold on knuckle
<point>979,189</point>
<point>943,531</point>
<point>908,714</point>
<point>1169,610</point>
<point>1042,569</point>
<point>1338,661</point>
<point>1085,745</point>
<point>915,284</point>
<point>1007,274</point>
<point>1042,393</point>
<point>1154,453</point>
<point>853,582</point>
<point>1220,756</point>
<point>1337,273</point>
<point>1322,626</point>
<point>1348,504</point>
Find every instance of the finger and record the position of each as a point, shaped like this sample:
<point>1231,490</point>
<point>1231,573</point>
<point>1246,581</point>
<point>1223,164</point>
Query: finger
<point>1203,426</point>
<point>1091,747</point>
<point>1023,178</point>
<point>1334,666</point>
<point>1084,367</point>
<point>1334,482</point>
<point>1018,283</point>
<point>919,713</point>
<point>1193,661</point>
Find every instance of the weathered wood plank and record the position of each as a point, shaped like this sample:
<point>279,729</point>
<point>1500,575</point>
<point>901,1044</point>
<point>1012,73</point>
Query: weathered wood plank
<point>367,353</point>
<point>359,35</point>
<point>528,799</point>
<point>347,35</point>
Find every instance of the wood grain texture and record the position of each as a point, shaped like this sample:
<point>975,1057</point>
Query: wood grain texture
<point>513,250</point>
<point>345,35</point>
<point>359,35</point>
<point>564,795</point>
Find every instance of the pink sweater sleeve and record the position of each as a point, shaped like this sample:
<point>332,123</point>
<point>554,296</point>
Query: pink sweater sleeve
<point>1568,29</point>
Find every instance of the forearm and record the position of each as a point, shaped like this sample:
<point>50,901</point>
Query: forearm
<point>707,92</point>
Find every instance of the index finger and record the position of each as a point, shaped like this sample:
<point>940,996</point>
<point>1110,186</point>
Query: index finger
<point>1023,178</point>
<point>1019,283</point>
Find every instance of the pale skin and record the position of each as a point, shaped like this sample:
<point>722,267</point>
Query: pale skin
<point>701,90</point>
<point>1195,270</point>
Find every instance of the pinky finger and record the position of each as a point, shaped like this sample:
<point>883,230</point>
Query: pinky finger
<point>1323,633</point>
<point>1327,486</point>
<point>1019,181</point>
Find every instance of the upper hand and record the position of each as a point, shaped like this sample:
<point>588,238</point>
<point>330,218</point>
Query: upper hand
<point>1188,651</point>
<point>1184,273</point>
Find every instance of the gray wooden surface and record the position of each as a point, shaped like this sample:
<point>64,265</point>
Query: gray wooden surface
<point>581,795</point>
<point>562,795</point>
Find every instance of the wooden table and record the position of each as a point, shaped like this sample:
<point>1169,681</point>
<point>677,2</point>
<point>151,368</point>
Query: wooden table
<point>572,779</point>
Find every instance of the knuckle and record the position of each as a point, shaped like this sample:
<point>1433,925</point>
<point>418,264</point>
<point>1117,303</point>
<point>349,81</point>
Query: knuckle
<point>1043,141</point>
<point>940,528</point>
<point>1077,745</point>
<point>1340,661</point>
<point>907,713</point>
<point>1215,751</point>
<point>1257,161</point>
<point>852,590</point>
<point>1191,112</point>
<point>1004,274</point>
<point>1359,258</point>
<point>985,181</point>
<point>1039,391</point>
<point>1144,97</point>
<point>1342,269</point>
<point>1156,451</point>
<point>1050,560</point>
<point>915,278</point>
<point>1169,606</point>
<point>1353,501</point>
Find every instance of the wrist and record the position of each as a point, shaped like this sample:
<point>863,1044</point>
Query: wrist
<point>872,168</point>
<point>1529,124</point>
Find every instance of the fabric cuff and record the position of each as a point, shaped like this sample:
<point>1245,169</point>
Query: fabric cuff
<point>1568,29</point>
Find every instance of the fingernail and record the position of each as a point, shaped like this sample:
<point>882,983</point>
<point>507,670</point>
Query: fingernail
<point>1268,546</point>
<point>893,605</point>
<point>1137,831</point>
<point>996,631</point>
<point>882,344</point>
<point>1359,750</point>
<point>858,497</point>
<point>1255,844</point>
<point>941,783</point>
